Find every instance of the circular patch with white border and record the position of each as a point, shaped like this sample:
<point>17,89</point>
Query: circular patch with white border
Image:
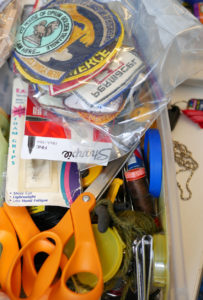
<point>97,34</point>
<point>43,32</point>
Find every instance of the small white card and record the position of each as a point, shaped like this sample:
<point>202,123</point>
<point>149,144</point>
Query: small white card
<point>66,150</point>
<point>119,76</point>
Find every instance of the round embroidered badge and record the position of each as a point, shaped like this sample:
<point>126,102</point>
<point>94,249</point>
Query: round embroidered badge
<point>96,28</point>
<point>42,32</point>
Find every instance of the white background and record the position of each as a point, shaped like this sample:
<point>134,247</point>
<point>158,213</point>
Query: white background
<point>191,135</point>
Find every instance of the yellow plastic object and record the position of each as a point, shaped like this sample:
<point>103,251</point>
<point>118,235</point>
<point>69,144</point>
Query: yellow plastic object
<point>160,266</point>
<point>142,113</point>
<point>110,248</point>
<point>114,188</point>
<point>92,175</point>
<point>36,209</point>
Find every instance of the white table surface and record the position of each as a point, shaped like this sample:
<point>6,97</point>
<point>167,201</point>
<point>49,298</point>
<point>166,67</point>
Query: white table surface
<point>191,135</point>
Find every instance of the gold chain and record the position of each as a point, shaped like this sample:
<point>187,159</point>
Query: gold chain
<point>184,159</point>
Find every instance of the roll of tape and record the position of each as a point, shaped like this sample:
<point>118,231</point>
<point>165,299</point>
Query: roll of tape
<point>160,261</point>
<point>153,158</point>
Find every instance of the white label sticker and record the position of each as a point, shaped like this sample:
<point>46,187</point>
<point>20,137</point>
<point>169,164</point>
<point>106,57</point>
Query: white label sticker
<point>65,150</point>
<point>113,81</point>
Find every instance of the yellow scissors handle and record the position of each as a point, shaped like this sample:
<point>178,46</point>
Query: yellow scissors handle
<point>92,175</point>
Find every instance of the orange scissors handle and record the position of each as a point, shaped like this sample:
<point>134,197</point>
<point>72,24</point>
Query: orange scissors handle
<point>85,257</point>
<point>26,230</point>
<point>10,249</point>
<point>22,222</point>
<point>64,228</point>
<point>47,272</point>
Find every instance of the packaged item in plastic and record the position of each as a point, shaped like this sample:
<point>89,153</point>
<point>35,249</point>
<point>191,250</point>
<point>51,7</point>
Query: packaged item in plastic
<point>9,16</point>
<point>48,136</point>
<point>116,69</point>
<point>35,182</point>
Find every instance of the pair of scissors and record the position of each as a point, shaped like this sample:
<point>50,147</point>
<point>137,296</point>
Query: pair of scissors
<point>84,259</point>
<point>10,244</point>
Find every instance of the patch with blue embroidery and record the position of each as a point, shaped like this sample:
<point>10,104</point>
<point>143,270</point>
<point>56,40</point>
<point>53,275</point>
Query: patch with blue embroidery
<point>95,28</point>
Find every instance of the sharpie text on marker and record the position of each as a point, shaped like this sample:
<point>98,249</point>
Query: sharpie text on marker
<point>102,154</point>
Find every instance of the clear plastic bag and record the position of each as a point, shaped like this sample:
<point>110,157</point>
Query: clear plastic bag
<point>6,80</point>
<point>158,45</point>
<point>9,17</point>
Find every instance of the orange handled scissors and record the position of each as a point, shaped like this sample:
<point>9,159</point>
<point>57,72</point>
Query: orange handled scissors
<point>26,231</point>
<point>84,259</point>
<point>10,250</point>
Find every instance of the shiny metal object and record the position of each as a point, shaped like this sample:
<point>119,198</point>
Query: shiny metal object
<point>143,252</point>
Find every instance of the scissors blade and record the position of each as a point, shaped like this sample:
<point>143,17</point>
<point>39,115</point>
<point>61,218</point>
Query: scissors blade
<point>102,182</point>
